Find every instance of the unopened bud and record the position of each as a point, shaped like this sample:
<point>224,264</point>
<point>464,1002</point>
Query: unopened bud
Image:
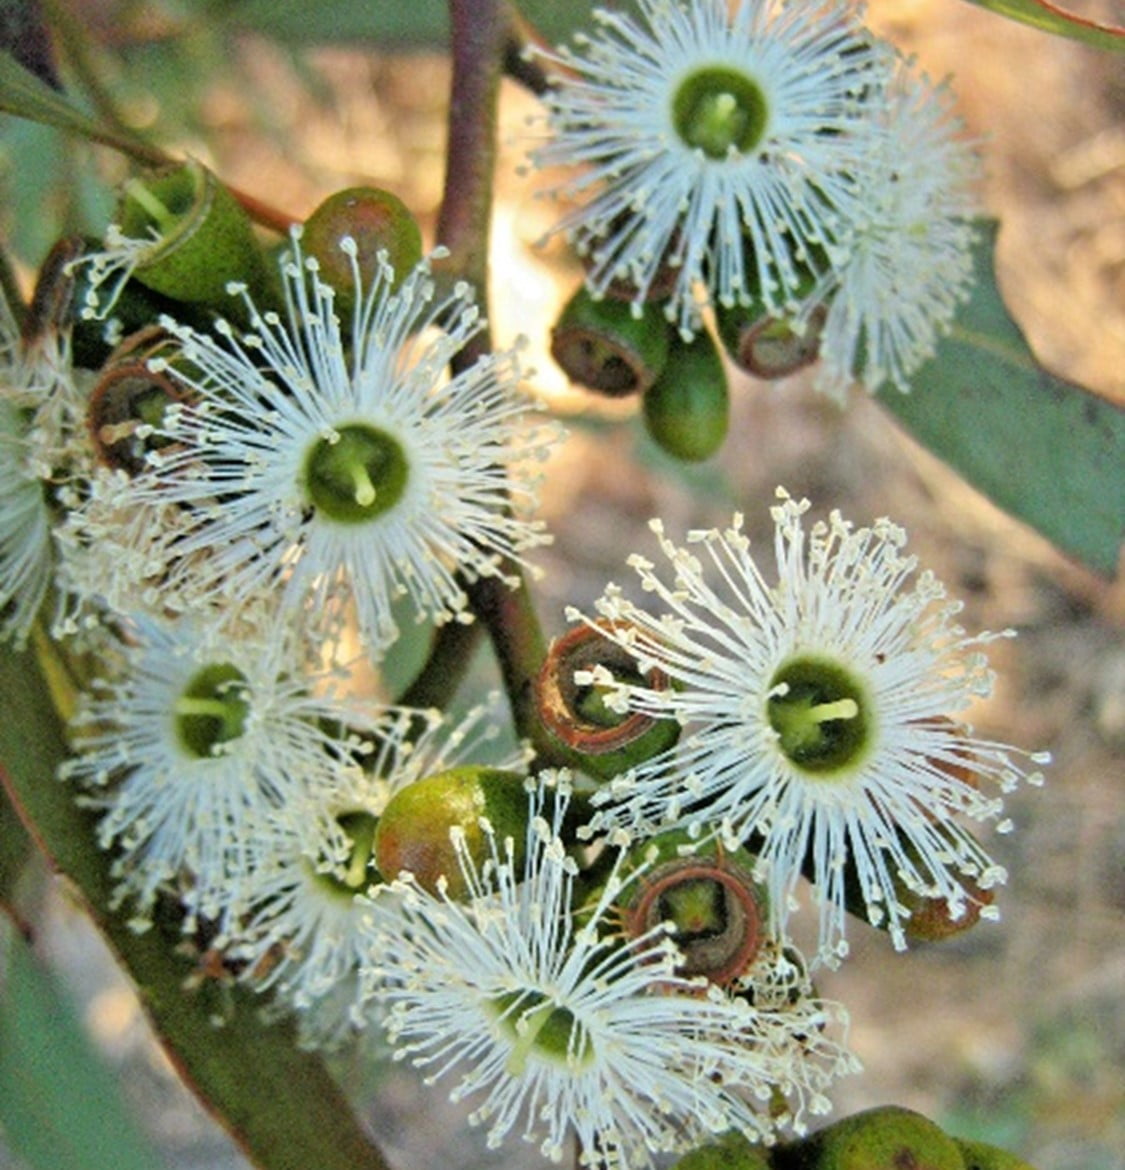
<point>885,1138</point>
<point>982,1156</point>
<point>687,409</point>
<point>730,1152</point>
<point>414,830</point>
<point>382,234</point>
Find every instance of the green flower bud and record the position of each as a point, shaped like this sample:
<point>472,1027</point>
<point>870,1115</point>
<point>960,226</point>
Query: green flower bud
<point>687,409</point>
<point>610,346</point>
<point>982,1156</point>
<point>591,733</point>
<point>885,1138</point>
<point>196,238</point>
<point>376,222</point>
<point>413,832</point>
<point>731,1152</point>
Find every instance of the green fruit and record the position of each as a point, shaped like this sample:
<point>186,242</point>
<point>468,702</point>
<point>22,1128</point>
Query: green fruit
<point>605,346</point>
<point>982,1156</point>
<point>377,222</point>
<point>414,830</point>
<point>732,1152</point>
<point>885,1138</point>
<point>687,409</point>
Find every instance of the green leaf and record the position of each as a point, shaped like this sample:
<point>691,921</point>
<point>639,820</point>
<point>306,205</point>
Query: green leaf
<point>1049,452</point>
<point>26,96</point>
<point>1051,18</point>
<point>278,1102</point>
<point>59,1103</point>
<point>418,25</point>
<point>390,25</point>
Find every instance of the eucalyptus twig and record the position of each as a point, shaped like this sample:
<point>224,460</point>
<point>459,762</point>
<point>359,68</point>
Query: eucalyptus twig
<point>481,39</point>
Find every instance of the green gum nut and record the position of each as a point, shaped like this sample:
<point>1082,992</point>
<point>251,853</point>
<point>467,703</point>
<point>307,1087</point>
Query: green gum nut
<point>376,222</point>
<point>982,1156</point>
<point>718,911</point>
<point>590,733</point>
<point>766,346</point>
<point>202,238</point>
<point>413,832</point>
<point>731,1152</point>
<point>687,409</point>
<point>885,1138</point>
<point>769,346</point>
<point>609,346</point>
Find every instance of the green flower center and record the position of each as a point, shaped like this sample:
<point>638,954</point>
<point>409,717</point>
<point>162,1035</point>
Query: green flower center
<point>212,709</point>
<point>357,474</point>
<point>698,907</point>
<point>718,110</point>
<point>536,1025</point>
<point>821,715</point>
<point>359,871</point>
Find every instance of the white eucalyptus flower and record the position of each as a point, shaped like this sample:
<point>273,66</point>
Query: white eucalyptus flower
<point>310,877</point>
<point>191,742</point>
<point>821,714</point>
<point>40,425</point>
<point>909,256</point>
<point>717,148</point>
<point>556,1026</point>
<point>333,461</point>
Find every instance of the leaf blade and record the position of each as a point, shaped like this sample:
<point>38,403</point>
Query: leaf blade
<point>1051,18</point>
<point>1047,451</point>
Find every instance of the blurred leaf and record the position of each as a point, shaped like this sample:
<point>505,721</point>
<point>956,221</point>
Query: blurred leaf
<point>26,96</point>
<point>59,1103</point>
<point>277,1102</point>
<point>384,24</point>
<point>15,851</point>
<point>1051,18</point>
<point>1049,452</point>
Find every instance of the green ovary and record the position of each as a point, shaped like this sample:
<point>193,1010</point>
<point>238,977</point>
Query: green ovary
<point>822,718</point>
<point>718,110</point>
<point>536,1026</point>
<point>212,709</point>
<point>357,474</point>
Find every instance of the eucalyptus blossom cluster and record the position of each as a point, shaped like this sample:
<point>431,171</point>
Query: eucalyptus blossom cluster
<point>229,479</point>
<point>773,167</point>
